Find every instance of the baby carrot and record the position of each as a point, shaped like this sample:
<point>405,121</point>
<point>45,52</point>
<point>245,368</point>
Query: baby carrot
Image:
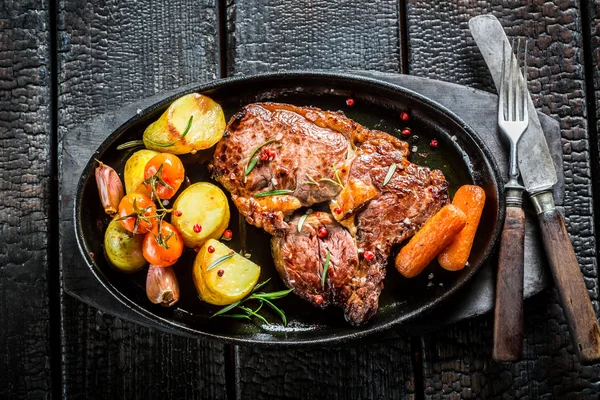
<point>432,238</point>
<point>470,199</point>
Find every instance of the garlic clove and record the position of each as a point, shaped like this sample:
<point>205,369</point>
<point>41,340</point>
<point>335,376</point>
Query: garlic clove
<point>110,188</point>
<point>162,286</point>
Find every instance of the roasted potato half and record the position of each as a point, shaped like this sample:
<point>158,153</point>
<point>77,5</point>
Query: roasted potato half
<point>200,212</point>
<point>123,250</point>
<point>206,129</point>
<point>230,278</point>
<point>134,171</point>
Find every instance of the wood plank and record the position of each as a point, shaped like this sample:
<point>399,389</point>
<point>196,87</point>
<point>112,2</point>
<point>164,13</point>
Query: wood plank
<point>457,362</point>
<point>273,35</point>
<point>25,128</point>
<point>591,25</point>
<point>282,35</point>
<point>112,53</point>
<point>364,371</point>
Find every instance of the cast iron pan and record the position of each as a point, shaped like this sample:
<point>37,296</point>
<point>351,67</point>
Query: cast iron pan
<point>461,155</point>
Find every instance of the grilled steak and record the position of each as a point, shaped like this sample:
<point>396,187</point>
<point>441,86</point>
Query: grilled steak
<point>300,258</point>
<point>324,156</point>
<point>385,213</point>
<point>305,144</point>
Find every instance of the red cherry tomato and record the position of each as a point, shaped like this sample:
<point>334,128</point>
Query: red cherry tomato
<point>142,211</point>
<point>158,250</point>
<point>172,174</point>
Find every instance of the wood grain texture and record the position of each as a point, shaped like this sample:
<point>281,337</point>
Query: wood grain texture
<point>111,53</point>
<point>367,371</point>
<point>457,362</point>
<point>508,310</point>
<point>25,128</point>
<point>273,35</point>
<point>593,24</point>
<point>573,294</point>
<point>282,35</point>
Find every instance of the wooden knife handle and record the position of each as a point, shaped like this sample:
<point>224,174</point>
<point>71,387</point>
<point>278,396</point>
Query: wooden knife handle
<point>508,312</point>
<point>572,291</point>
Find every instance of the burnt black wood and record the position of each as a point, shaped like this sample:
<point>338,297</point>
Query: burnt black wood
<point>274,35</point>
<point>457,361</point>
<point>110,54</point>
<point>25,129</point>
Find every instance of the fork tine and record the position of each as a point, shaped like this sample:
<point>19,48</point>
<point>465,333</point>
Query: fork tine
<point>510,101</point>
<point>517,77</point>
<point>525,89</point>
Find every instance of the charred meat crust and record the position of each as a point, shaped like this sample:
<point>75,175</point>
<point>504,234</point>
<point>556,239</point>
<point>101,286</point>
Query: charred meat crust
<point>324,156</point>
<point>298,164</point>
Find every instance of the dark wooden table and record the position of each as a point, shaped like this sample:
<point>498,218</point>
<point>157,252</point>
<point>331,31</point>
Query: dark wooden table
<point>63,62</point>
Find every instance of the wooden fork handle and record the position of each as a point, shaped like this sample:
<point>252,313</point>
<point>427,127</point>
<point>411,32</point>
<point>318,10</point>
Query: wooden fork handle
<point>572,291</point>
<point>508,312</point>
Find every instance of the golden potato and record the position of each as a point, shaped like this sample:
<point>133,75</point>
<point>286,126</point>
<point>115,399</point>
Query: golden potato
<point>134,171</point>
<point>123,250</point>
<point>226,282</point>
<point>202,204</point>
<point>208,125</point>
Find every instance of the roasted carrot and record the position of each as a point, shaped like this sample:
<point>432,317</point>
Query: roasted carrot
<point>469,199</point>
<point>433,237</point>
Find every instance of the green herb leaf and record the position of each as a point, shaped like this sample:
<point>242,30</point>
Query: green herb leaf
<point>273,193</point>
<point>187,129</point>
<point>128,145</point>
<point>331,181</point>
<point>325,268</point>
<point>278,310</point>
<point>253,160</point>
<point>390,173</point>
<point>272,295</point>
<point>251,166</point>
<point>219,261</point>
<point>259,285</point>
<point>262,298</point>
<point>301,222</point>
<point>237,316</point>
<point>337,176</point>
<point>255,314</point>
<point>225,309</point>
<point>311,180</point>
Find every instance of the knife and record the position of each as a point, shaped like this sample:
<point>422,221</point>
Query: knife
<point>539,176</point>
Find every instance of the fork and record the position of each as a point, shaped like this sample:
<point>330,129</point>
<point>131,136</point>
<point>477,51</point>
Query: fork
<point>513,120</point>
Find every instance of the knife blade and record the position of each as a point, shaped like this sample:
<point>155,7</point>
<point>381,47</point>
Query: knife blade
<point>535,161</point>
<point>538,174</point>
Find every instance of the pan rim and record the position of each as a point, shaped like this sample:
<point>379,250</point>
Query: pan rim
<point>171,325</point>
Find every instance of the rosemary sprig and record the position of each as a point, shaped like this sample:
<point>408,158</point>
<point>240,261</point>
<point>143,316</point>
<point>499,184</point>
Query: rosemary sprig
<point>390,173</point>
<point>262,298</point>
<point>337,176</point>
<point>130,144</point>
<point>325,268</point>
<point>331,181</point>
<point>153,181</point>
<point>185,132</point>
<point>273,193</point>
<point>140,215</point>
<point>253,160</point>
<point>301,222</point>
<point>220,260</point>
<point>311,181</point>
